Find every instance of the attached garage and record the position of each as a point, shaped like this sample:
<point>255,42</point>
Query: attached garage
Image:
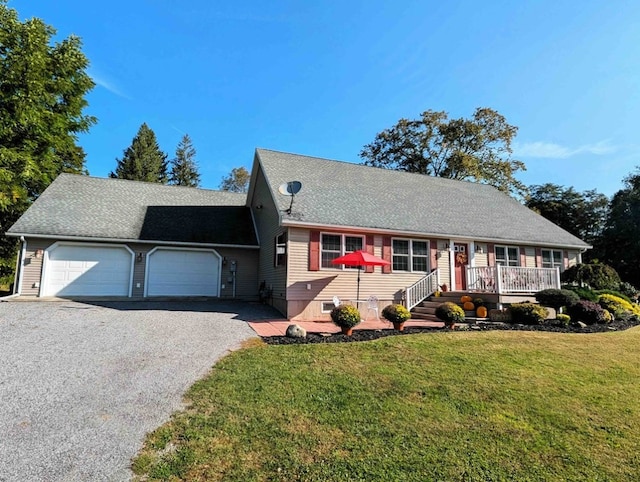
<point>182,272</point>
<point>72,269</point>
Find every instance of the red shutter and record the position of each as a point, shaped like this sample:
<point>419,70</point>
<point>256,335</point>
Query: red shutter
<point>523,256</point>
<point>386,253</point>
<point>538,257</point>
<point>369,249</point>
<point>433,245</point>
<point>314,251</point>
<point>491,254</point>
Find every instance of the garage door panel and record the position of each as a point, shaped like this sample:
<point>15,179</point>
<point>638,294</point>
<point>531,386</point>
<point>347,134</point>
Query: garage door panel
<point>182,273</point>
<point>80,270</point>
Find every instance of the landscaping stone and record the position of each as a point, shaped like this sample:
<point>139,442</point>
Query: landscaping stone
<point>296,331</point>
<point>582,325</point>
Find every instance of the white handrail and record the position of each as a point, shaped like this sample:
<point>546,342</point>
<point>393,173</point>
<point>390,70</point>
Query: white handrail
<point>422,289</point>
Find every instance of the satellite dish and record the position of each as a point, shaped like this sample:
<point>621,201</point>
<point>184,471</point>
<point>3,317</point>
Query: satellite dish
<point>290,188</point>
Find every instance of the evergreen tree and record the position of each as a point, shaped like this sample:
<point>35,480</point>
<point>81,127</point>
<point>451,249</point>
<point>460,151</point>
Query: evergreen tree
<point>184,168</point>
<point>143,160</point>
<point>42,98</point>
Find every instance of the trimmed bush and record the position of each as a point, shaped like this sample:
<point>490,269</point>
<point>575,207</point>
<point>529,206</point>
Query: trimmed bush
<point>597,276</point>
<point>587,312</point>
<point>629,290</point>
<point>396,313</point>
<point>564,319</point>
<point>584,293</point>
<point>528,313</point>
<point>615,304</point>
<point>345,316</point>
<point>612,292</point>
<point>556,299</point>
<point>450,313</point>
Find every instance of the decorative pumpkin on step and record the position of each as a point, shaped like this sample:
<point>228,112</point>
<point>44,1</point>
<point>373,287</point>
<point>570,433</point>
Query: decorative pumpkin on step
<point>481,312</point>
<point>468,305</point>
<point>465,298</point>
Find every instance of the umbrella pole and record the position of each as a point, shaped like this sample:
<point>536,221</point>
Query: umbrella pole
<point>358,292</point>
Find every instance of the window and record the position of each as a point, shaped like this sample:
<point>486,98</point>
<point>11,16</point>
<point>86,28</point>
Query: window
<point>410,255</point>
<point>335,245</point>
<point>507,256</point>
<point>552,259</point>
<point>281,249</point>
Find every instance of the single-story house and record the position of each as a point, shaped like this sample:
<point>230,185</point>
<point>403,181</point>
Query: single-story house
<point>88,236</point>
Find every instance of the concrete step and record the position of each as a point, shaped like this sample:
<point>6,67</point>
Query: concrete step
<point>423,316</point>
<point>427,310</point>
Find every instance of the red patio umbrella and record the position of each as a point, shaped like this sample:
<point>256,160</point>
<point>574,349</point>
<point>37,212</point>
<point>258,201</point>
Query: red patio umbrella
<point>359,259</point>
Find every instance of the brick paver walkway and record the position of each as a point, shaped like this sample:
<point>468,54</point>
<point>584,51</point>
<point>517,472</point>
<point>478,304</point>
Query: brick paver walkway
<point>279,327</point>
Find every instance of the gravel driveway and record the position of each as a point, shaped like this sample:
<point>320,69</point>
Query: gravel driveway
<point>81,384</point>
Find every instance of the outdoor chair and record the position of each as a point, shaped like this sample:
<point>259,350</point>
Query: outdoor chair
<point>372,305</point>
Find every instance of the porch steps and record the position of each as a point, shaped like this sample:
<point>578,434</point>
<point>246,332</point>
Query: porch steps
<point>426,310</point>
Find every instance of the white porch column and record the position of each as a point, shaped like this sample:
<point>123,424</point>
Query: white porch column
<point>472,254</point>
<point>452,267</point>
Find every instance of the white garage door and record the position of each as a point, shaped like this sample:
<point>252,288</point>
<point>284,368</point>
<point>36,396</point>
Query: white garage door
<point>176,272</point>
<point>77,270</point>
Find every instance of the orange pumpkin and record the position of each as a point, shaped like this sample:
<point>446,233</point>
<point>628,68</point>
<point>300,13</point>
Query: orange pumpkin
<point>468,306</point>
<point>481,312</point>
<point>465,299</point>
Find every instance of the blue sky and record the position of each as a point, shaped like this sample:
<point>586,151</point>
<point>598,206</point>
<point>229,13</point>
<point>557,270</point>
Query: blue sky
<point>322,78</point>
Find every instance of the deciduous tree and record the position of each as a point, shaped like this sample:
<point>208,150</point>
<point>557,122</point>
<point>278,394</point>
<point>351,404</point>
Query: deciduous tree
<point>236,181</point>
<point>143,160</point>
<point>184,168</point>
<point>476,149</point>
<point>43,85</point>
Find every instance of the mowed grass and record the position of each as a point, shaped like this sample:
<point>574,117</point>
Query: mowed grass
<point>489,406</point>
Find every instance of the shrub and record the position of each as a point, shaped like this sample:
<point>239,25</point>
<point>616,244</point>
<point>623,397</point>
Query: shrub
<point>597,276</point>
<point>588,312</point>
<point>615,304</point>
<point>345,316</point>
<point>556,299</point>
<point>563,319</point>
<point>450,313</point>
<point>528,313</point>
<point>584,293</point>
<point>396,313</point>
<point>612,292</point>
<point>629,290</point>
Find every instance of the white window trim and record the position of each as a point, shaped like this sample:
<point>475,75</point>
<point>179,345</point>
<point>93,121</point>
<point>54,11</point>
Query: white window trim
<point>275,250</point>
<point>506,252</point>
<point>553,264</point>
<point>410,255</point>
<point>342,249</point>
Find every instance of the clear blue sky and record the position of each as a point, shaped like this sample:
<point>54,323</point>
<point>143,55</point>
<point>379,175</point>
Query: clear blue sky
<point>322,78</point>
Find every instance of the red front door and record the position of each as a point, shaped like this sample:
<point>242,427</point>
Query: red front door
<point>461,258</point>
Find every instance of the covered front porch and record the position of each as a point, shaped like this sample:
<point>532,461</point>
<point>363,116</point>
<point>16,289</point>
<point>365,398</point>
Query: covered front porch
<point>509,280</point>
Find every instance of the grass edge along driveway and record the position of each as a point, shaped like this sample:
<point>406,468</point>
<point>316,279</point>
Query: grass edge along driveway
<point>526,406</point>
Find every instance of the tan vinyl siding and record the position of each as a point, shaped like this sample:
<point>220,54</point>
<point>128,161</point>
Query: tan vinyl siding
<point>530,256</point>
<point>32,266</point>
<point>443,263</point>
<point>480,256</point>
<point>246,275</point>
<point>308,289</point>
<point>267,220</point>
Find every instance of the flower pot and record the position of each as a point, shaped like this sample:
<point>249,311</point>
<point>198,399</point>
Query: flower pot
<point>347,330</point>
<point>398,326</point>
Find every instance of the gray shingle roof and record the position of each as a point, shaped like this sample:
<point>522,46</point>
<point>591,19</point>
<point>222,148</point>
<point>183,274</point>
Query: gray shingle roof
<point>90,207</point>
<point>345,194</point>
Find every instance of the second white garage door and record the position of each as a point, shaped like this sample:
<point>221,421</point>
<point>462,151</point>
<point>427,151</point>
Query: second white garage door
<point>179,272</point>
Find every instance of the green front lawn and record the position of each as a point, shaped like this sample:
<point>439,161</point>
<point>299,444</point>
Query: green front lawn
<point>485,406</point>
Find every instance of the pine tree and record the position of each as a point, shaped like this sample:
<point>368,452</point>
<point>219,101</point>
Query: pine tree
<point>143,160</point>
<point>184,168</point>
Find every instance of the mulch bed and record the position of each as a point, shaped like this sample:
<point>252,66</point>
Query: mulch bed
<point>368,335</point>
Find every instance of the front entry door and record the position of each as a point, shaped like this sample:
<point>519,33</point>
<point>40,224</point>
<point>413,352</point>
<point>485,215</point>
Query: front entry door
<point>461,258</point>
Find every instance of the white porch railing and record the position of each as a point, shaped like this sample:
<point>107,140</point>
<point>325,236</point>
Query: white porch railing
<point>512,279</point>
<point>422,289</point>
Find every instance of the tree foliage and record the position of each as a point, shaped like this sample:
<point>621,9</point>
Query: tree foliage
<point>583,214</point>
<point>476,149</point>
<point>236,181</point>
<point>184,168</point>
<point>42,97</point>
<point>597,276</point>
<point>143,160</point>
<point>620,244</point>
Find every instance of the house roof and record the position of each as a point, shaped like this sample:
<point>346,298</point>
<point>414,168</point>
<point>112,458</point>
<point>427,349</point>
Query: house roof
<point>336,193</point>
<point>75,206</point>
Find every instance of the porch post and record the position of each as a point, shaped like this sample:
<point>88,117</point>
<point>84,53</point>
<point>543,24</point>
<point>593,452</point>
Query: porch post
<point>499,278</point>
<point>557,277</point>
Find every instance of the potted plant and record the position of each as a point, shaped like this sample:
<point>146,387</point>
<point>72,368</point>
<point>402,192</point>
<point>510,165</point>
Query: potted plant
<point>346,317</point>
<point>450,313</point>
<point>396,314</point>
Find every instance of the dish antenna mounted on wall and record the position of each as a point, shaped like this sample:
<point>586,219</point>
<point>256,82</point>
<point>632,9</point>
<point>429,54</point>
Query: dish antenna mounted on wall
<point>290,188</point>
